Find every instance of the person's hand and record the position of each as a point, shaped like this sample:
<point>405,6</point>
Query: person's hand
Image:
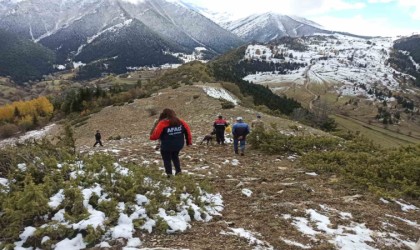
<point>240,138</point>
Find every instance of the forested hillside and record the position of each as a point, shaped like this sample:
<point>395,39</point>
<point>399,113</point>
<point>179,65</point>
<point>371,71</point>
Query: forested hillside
<point>406,57</point>
<point>230,68</point>
<point>22,59</point>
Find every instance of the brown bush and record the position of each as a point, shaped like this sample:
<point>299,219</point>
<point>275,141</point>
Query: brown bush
<point>8,130</point>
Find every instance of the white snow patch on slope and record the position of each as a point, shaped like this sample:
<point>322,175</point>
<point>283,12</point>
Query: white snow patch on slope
<point>75,243</point>
<point>408,222</point>
<point>220,93</point>
<point>56,199</point>
<point>406,207</point>
<point>250,237</point>
<point>34,134</point>
<point>294,243</point>
<point>350,236</point>
<point>246,192</point>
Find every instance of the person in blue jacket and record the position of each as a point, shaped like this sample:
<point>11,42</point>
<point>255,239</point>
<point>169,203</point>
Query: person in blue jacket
<point>239,131</point>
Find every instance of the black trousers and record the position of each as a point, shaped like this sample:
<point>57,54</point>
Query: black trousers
<point>168,158</point>
<point>98,142</point>
<point>220,136</point>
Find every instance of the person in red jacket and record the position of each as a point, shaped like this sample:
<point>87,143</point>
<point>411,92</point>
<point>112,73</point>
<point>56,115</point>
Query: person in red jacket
<point>171,131</point>
<point>219,127</point>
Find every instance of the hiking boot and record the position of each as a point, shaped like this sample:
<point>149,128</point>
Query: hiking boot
<point>178,173</point>
<point>168,176</point>
<point>236,152</point>
<point>242,154</point>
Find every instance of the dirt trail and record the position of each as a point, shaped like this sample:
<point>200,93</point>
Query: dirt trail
<point>278,183</point>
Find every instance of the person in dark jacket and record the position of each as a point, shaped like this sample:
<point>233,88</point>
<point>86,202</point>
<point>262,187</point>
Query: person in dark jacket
<point>219,127</point>
<point>98,139</point>
<point>239,131</point>
<point>171,131</point>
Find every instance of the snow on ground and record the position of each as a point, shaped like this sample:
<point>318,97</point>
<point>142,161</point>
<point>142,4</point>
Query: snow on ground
<point>196,55</point>
<point>56,199</point>
<point>5,183</point>
<point>220,93</point>
<point>30,135</point>
<point>294,243</point>
<point>408,222</point>
<point>350,236</point>
<point>347,61</point>
<point>246,192</point>
<point>250,237</point>
<point>406,207</point>
<point>76,65</point>
<point>177,221</point>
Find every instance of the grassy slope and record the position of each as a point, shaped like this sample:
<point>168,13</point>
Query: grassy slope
<point>379,135</point>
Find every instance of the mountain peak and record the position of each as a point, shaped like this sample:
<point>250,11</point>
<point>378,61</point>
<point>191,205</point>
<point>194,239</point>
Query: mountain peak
<point>268,26</point>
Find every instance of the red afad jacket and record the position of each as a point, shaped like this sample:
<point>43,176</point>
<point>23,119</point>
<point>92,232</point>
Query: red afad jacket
<point>172,137</point>
<point>220,124</point>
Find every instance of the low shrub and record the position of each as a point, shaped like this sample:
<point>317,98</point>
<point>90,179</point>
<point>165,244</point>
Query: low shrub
<point>8,130</point>
<point>227,105</point>
<point>151,110</point>
<point>386,172</point>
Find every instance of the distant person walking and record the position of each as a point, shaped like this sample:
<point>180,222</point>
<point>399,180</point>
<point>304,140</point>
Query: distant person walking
<point>240,130</point>
<point>171,131</point>
<point>257,123</point>
<point>219,127</point>
<point>258,128</point>
<point>98,138</point>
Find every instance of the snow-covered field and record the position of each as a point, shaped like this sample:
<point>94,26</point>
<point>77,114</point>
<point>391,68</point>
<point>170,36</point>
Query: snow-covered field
<point>34,134</point>
<point>347,61</point>
<point>347,235</point>
<point>220,93</point>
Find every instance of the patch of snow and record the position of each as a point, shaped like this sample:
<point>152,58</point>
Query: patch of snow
<point>124,229</point>
<point>45,239</point>
<point>178,222</point>
<point>406,207</point>
<point>121,170</point>
<point>246,192</point>
<point>60,67</point>
<point>302,225</point>
<point>294,243</point>
<point>141,199</point>
<point>235,162</point>
<point>250,237</point>
<point>384,201</point>
<point>220,93</point>
<point>354,236</point>
<point>56,199</point>
<point>312,174</point>
<point>77,65</point>
<point>134,242</point>
<point>104,245</point>
<point>75,243</point>
<point>4,182</point>
<point>30,135</point>
<point>408,222</point>
<point>59,216</point>
<point>27,232</point>
<point>22,167</point>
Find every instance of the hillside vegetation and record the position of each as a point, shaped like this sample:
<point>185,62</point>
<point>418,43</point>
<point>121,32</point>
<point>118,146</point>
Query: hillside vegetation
<point>24,60</point>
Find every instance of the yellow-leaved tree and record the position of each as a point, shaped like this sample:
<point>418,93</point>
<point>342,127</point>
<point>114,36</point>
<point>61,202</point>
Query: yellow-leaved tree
<point>21,110</point>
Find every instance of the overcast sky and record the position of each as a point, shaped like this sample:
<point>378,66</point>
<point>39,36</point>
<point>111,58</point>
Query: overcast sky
<point>364,17</point>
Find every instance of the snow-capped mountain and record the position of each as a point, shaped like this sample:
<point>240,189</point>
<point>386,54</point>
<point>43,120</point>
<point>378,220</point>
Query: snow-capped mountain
<point>269,26</point>
<point>71,26</point>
